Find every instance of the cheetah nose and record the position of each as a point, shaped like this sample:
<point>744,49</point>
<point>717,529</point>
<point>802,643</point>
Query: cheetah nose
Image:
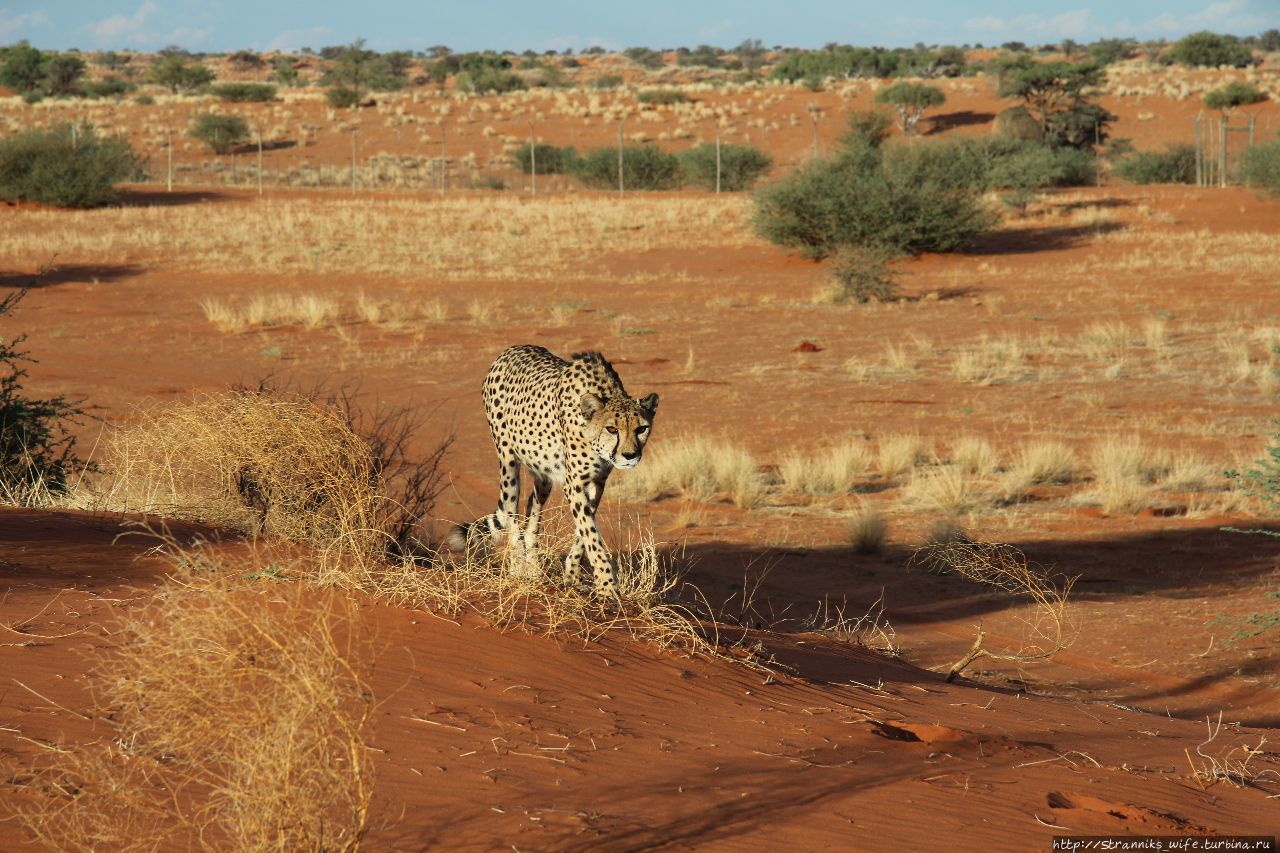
<point>629,455</point>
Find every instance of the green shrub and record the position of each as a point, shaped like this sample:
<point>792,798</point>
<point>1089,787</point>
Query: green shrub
<point>1028,166</point>
<point>910,100</point>
<point>740,166</point>
<point>36,448</point>
<point>858,200</point>
<point>989,164</point>
<point>342,97</point>
<point>52,167</point>
<point>222,133</point>
<point>867,126</point>
<point>1209,49</point>
<point>107,87</point>
<point>1234,94</point>
<point>1175,165</point>
<point>645,167</point>
<point>862,274</point>
<point>550,159</point>
<point>487,79</point>
<point>607,81</point>
<point>144,101</point>
<point>244,92</point>
<point>1262,479</point>
<point>173,71</point>
<point>1260,166</point>
<point>662,96</point>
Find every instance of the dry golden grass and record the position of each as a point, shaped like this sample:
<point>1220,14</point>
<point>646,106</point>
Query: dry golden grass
<point>699,468</point>
<point>832,471</point>
<point>1044,462</point>
<point>457,237</point>
<point>991,361</point>
<point>898,454</point>
<point>943,490</point>
<point>310,310</point>
<point>241,721</point>
<point>279,465</point>
<point>866,529</point>
<point>974,455</point>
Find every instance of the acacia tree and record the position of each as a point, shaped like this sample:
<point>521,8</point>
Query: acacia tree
<point>911,100</point>
<point>1054,94</point>
<point>172,70</point>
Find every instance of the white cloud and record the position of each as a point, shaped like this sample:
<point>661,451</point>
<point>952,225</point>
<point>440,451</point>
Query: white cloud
<point>1231,16</point>
<point>124,28</point>
<point>12,24</point>
<point>291,40</point>
<point>1073,24</point>
<point>136,30</point>
<point>717,30</point>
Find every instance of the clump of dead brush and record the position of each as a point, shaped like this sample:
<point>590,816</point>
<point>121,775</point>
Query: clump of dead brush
<point>1231,765</point>
<point>285,465</point>
<point>1007,570</point>
<point>239,721</point>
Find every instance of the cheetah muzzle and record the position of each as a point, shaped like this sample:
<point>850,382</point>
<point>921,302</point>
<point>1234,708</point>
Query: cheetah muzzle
<point>568,422</point>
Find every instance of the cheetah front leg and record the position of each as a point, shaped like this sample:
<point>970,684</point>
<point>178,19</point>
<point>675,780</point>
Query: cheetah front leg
<point>533,522</point>
<point>584,495</point>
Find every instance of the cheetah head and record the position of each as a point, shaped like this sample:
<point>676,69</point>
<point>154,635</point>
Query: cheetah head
<point>619,427</point>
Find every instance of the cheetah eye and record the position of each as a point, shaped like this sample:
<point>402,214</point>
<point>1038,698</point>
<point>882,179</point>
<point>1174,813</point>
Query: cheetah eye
<point>641,431</point>
<point>611,430</point>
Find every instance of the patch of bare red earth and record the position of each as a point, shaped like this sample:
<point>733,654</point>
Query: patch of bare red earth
<point>488,738</point>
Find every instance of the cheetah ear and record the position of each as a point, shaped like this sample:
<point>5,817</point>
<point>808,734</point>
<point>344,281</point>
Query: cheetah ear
<point>649,404</point>
<point>589,405</point>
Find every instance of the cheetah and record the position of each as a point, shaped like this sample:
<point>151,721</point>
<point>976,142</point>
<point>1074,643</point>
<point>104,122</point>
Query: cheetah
<point>568,422</point>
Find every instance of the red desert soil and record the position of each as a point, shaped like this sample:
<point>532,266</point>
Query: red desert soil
<point>548,744</point>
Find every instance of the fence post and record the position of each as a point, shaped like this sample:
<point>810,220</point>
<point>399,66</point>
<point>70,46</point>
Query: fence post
<point>1199,155</point>
<point>443,134</point>
<point>353,160</point>
<point>533,160</point>
<point>259,161</point>
<point>168,133</point>
<point>717,158</point>
<point>620,184</point>
<point>1222,152</point>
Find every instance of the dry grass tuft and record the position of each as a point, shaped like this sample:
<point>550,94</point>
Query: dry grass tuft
<point>1122,471</point>
<point>946,490</point>
<point>1007,570</point>
<point>866,529</point>
<point>898,454</point>
<point>241,722</point>
<point>697,468</point>
<point>309,310</point>
<point>974,455</point>
<point>833,471</point>
<point>1230,765</point>
<point>1045,462</point>
<point>286,466</point>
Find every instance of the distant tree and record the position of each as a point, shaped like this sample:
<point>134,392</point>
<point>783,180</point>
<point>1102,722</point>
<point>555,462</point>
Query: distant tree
<point>438,51</point>
<point>175,50</point>
<point>1108,51</point>
<point>1069,49</point>
<point>23,68</point>
<point>113,61</point>
<point>222,133</point>
<point>910,100</point>
<point>174,71</point>
<point>438,73</point>
<point>1015,46</point>
<point>751,54</point>
<point>1054,94</point>
<point>62,74</point>
<point>1206,49</point>
<point>1234,94</point>
<point>1269,41</point>
<point>644,57</point>
<point>245,60</point>
<point>704,55</point>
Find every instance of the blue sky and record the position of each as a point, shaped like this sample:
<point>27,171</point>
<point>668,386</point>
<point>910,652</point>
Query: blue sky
<point>219,25</point>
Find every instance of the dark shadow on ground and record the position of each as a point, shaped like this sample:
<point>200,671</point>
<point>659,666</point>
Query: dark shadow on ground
<point>160,198</point>
<point>1021,241</point>
<point>70,274</point>
<point>963,118</point>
